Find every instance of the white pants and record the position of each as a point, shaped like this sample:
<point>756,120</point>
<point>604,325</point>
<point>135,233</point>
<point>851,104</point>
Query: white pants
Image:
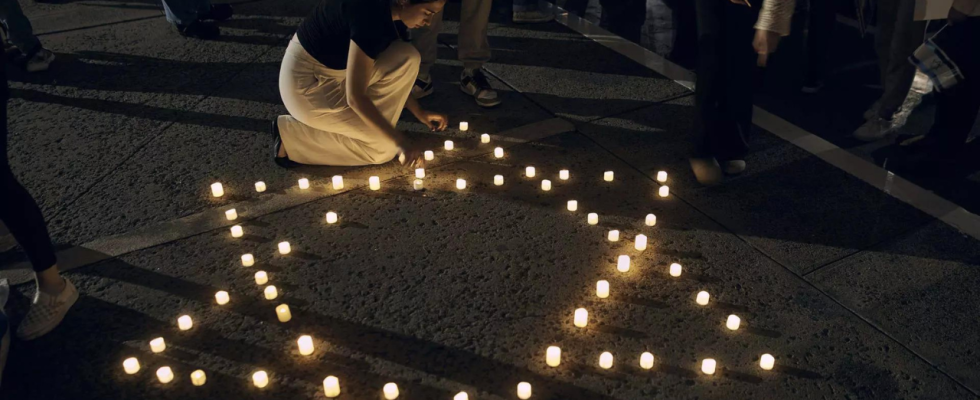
<point>322,129</point>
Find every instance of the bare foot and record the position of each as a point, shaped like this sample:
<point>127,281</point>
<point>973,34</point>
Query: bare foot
<point>282,151</point>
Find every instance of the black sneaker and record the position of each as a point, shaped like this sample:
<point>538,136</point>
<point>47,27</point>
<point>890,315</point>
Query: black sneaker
<point>476,84</point>
<point>219,12</point>
<point>199,30</point>
<point>422,88</point>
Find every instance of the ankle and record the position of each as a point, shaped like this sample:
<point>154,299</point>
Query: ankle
<point>52,288</point>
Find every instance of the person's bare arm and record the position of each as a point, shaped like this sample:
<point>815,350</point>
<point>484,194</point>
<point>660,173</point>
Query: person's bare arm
<point>435,121</point>
<point>774,23</point>
<point>359,70</point>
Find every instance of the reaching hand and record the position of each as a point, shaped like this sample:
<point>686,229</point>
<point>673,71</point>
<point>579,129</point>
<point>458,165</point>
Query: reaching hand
<point>435,121</point>
<point>413,153</point>
<point>765,43</point>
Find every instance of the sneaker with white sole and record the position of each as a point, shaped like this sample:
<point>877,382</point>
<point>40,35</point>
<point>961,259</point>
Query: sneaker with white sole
<point>706,170</point>
<point>733,167</point>
<point>40,61</point>
<point>46,312</point>
<point>476,84</point>
<point>872,111</point>
<point>875,129</point>
<point>422,88</point>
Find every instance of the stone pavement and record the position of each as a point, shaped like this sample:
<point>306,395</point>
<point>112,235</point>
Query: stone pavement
<point>856,294</point>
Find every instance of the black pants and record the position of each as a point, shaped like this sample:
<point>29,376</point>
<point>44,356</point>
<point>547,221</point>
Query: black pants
<point>726,71</point>
<point>624,18</point>
<point>957,107</point>
<point>821,19</point>
<point>577,7</point>
<point>17,208</point>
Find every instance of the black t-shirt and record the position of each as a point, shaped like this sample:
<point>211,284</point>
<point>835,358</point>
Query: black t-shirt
<point>326,34</point>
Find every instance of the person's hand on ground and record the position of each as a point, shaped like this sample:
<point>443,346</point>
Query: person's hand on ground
<point>435,121</point>
<point>955,16</point>
<point>765,43</point>
<point>413,153</point>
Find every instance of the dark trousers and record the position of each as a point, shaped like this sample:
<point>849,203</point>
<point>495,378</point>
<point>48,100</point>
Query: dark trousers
<point>18,210</point>
<point>957,107</point>
<point>624,18</point>
<point>577,7</point>
<point>821,19</point>
<point>726,72</point>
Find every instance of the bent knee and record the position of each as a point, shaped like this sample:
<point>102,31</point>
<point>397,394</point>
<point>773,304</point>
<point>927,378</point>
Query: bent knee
<point>406,54</point>
<point>383,152</point>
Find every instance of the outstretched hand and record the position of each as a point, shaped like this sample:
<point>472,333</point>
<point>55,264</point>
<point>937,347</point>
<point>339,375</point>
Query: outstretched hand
<point>435,121</point>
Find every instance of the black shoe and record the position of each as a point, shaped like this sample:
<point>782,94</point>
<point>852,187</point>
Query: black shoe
<point>422,88</point>
<point>284,162</point>
<point>199,30</point>
<point>219,12</point>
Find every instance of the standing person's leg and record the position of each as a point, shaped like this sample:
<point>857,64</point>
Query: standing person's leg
<point>425,39</point>
<point>474,51</point>
<point>530,11</point>
<point>624,18</point>
<point>577,7</point>
<point>820,31</point>
<point>730,146</point>
<point>708,92</point>
<point>189,17</point>
<point>21,34</point>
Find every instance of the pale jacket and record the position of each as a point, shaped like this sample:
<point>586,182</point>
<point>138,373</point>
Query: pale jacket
<point>776,15</point>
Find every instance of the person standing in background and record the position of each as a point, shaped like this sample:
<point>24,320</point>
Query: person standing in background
<point>529,12</point>
<point>624,18</point>
<point>821,17</point>
<point>19,33</point>
<point>192,18</point>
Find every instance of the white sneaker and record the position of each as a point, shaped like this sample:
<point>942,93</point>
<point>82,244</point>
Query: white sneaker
<point>875,129</point>
<point>46,312</point>
<point>734,167</point>
<point>873,111</point>
<point>40,62</point>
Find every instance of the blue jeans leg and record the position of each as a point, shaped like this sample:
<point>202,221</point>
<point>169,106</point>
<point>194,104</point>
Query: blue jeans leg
<point>19,29</point>
<point>184,12</point>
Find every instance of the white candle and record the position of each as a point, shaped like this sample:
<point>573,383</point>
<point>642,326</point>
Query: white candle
<point>464,126</point>
<point>485,138</point>
<point>282,312</point>
<point>231,215</point>
<point>664,191</point>
<point>185,322</point>
<point>646,360</point>
<point>593,218</point>
<point>331,217</point>
<point>608,176</point>
<point>374,183</point>
<point>460,184</point>
<point>708,366</point>
<point>248,260</point>
<point>165,374</point>
<point>429,155</point>
<point>498,180</point>
<point>305,344</point>
<point>449,145</point>
<point>338,182</point>
<point>131,365</point>
<point>624,263</point>
<point>217,190</point>
<point>703,298</point>
<point>613,235</point>
<point>640,243</point>
<point>331,386</point>
<point>581,318</point>
<point>284,248</point>
<point>198,378</point>
<point>158,345</point>
<point>606,360</point>
<point>733,322</point>
<point>498,152</point>
<point>261,278</point>
<point>461,396</point>
<point>420,173</point>
<point>304,183</point>
<point>675,270</point>
<point>270,292</point>
<point>767,362</point>
<point>237,231</point>
<point>563,174</point>
<point>390,391</point>
<point>553,356</point>
<point>418,184</point>
<point>260,186</point>
<point>572,205</point>
<point>524,390</point>
<point>662,176</point>
<point>529,172</point>
<point>222,297</point>
<point>602,289</point>
<point>651,220</point>
<point>260,379</point>
<point>545,185</point>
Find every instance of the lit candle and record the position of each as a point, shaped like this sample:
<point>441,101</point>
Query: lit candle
<point>675,270</point>
<point>573,205</point>
<point>733,322</point>
<point>602,289</point>
<point>767,362</point>
<point>545,185</point>
<point>418,184</point>
<point>374,183</point>
<point>165,374</point>
<point>449,145</point>
<point>420,173</point>
<point>185,322</point>
<point>640,243</point>
<point>390,391</point>
<point>331,217</point>
<point>593,218</point>
<point>703,298</point>
<point>460,184</point>
<point>198,378</point>
<point>158,345</point>
<point>624,263</point>
<point>284,248</point>
<point>553,356</point>
<point>305,344</point>
<point>461,396</point>
<point>270,292</point>
<point>231,215</point>
<point>613,235</point>
<point>581,318</point>
<point>260,186</point>
<point>237,231</point>
<point>429,155</point>
<point>524,390</point>
<point>304,183</point>
<point>563,174</point>
<point>662,176</point>
<point>708,366</point>
<point>331,386</point>
<point>664,191</point>
<point>217,190</point>
<point>651,220</point>
<point>498,180</point>
<point>608,176</point>
<point>260,379</point>
<point>282,312</point>
<point>131,365</point>
<point>606,360</point>
<point>464,126</point>
<point>222,297</point>
<point>261,278</point>
<point>529,172</point>
<point>338,182</point>
<point>646,360</point>
<point>498,152</point>
<point>485,138</point>
<point>248,260</point>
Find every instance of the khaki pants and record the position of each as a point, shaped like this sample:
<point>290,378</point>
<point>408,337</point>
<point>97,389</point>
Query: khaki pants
<point>473,51</point>
<point>321,128</point>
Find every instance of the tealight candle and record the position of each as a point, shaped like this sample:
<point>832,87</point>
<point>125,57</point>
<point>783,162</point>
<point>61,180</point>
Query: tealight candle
<point>390,391</point>
<point>284,248</point>
<point>185,322</point>
<point>282,312</point>
<point>675,270</point>
<point>593,218</point>
<point>237,231</point>
<point>733,322</point>
<point>581,318</point>
<point>640,243</point>
<point>217,190</point>
<point>331,217</point>
<point>270,292</point>
<point>261,278</point>
<point>485,138</point>
<point>498,152</point>
<point>420,173</point>
<point>449,145</point>
<point>572,205</point>
<point>222,297</point>
<point>165,375</point>
<point>260,186</point>
<point>545,185</point>
<point>646,360</point>
<point>461,396</point>
<point>131,365</point>
<point>606,360</point>
<point>708,366</point>
<point>248,260</point>
<point>158,345</point>
<point>703,298</point>
<point>529,172</point>
<point>602,289</point>
<point>664,191</point>
<point>464,126</point>
<point>460,184</point>
<point>662,176</point>
<point>624,263</point>
<point>418,184</point>
<point>613,235</point>
<point>304,183</point>
<point>498,180</point>
<point>563,174</point>
<point>305,344</point>
<point>374,183</point>
<point>608,176</point>
<point>260,379</point>
<point>553,356</point>
<point>231,215</point>
<point>524,390</point>
<point>651,220</point>
<point>338,182</point>
<point>429,155</point>
<point>198,378</point>
<point>767,362</point>
<point>331,386</point>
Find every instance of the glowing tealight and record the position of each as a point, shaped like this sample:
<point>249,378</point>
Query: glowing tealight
<point>602,289</point>
<point>651,220</point>
<point>260,379</point>
<point>429,155</point>
<point>222,297</point>
<point>767,362</point>
<point>623,265</point>
<point>545,185</point>
<point>198,378</point>
<point>185,322</point>
<point>261,278</point>
<point>703,298</point>
<point>374,183</point>
<point>593,218</point>
<point>563,174</point>
<point>460,184</point>
<point>606,360</point>
<point>498,180</point>
<point>260,186</point>
<point>165,374</point>
<point>420,173</point>
<point>485,138</point>
<point>613,235</point>
<point>464,126</point>
<point>418,184</point>
<point>304,183</point>
<point>608,176</point>
<point>449,145</point>
<point>331,386</point>
<point>390,391</point>
<point>553,356</point>
<point>270,292</point>
<point>283,313</point>
<point>640,242</point>
<point>572,205</point>
<point>331,217</point>
<point>158,345</point>
<point>524,390</point>
<point>498,152</point>
<point>284,248</point>
<point>662,176</point>
<point>217,190</point>
<point>305,344</point>
<point>231,215</point>
<point>248,260</point>
<point>708,366</point>
<point>131,365</point>
<point>581,318</point>
<point>237,231</point>
<point>529,172</point>
<point>733,322</point>
<point>338,182</point>
<point>646,360</point>
<point>675,270</point>
<point>664,191</point>
<point>461,396</point>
